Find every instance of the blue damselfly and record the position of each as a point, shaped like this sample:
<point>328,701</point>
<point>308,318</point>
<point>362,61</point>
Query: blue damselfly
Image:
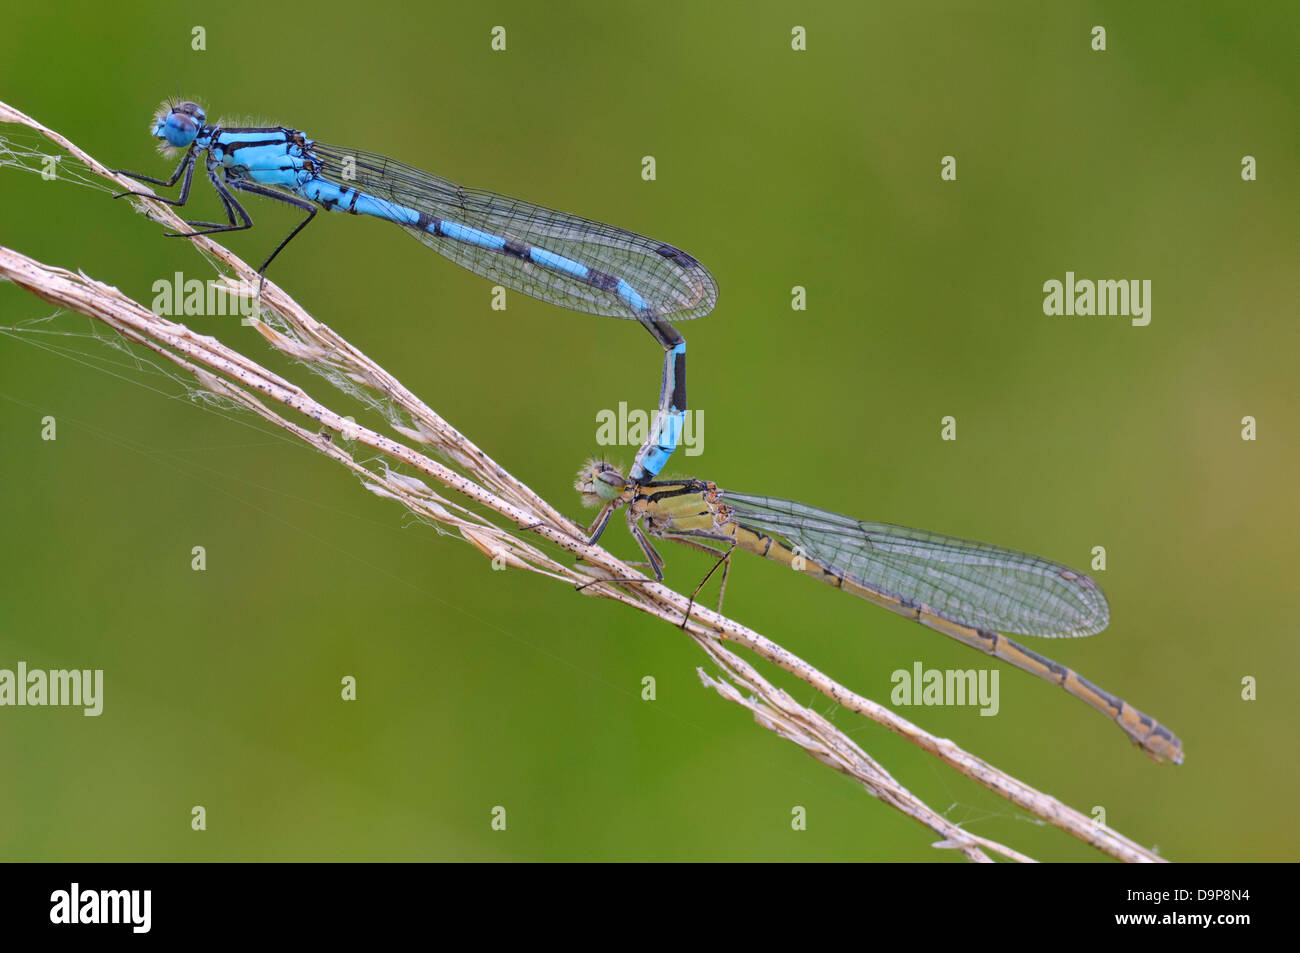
<point>556,257</point>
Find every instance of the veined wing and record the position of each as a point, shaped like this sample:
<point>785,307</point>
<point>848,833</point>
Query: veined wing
<point>671,282</point>
<point>975,584</point>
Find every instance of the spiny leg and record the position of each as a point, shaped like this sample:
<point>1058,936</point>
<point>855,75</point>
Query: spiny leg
<point>231,205</point>
<point>724,560</point>
<point>186,168</point>
<point>233,208</point>
<point>279,196</point>
<point>228,203</point>
<point>597,528</point>
<point>654,562</point>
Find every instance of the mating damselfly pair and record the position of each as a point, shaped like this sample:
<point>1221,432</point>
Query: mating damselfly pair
<point>969,591</point>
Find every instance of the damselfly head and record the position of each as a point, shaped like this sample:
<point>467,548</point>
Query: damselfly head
<point>599,482</point>
<point>178,124</point>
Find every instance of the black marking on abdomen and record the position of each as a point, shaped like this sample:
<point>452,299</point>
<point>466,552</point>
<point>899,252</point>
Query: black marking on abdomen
<point>517,250</point>
<point>667,335</point>
<point>425,220</point>
<point>1114,701</point>
<point>1056,668</point>
<point>602,279</point>
<point>679,382</point>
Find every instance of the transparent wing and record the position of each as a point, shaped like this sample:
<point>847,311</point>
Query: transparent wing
<point>975,584</point>
<point>673,283</point>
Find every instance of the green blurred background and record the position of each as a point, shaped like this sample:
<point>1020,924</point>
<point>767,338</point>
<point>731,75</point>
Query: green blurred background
<point>775,168</point>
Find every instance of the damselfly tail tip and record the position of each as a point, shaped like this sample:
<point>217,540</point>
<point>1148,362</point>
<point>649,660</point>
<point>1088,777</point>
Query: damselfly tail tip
<point>1164,751</point>
<point>1163,745</point>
